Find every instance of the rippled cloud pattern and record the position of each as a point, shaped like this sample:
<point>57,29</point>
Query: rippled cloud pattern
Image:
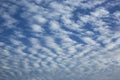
<point>59,39</point>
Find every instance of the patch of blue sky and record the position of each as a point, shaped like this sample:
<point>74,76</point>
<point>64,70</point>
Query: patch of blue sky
<point>47,30</point>
<point>113,8</point>
<point>112,22</point>
<point>77,39</point>
<point>2,21</point>
<point>79,12</point>
<point>70,30</point>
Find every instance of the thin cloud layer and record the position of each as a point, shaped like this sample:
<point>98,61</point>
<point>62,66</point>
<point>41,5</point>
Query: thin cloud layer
<point>56,40</point>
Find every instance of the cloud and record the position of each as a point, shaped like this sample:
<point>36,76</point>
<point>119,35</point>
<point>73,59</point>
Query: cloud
<point>53,38</point>
<point>39,19</point>
<point>36,28</point>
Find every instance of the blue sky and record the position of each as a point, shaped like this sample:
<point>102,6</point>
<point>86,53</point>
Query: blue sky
<point>59,40</point>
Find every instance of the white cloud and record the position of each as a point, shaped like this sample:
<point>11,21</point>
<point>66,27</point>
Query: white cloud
<point>54,25</point>
<point>2,44</point>
<point>100,12</point>
<point>89,41</point>
<point>37,28</point>
<point>39,19</point>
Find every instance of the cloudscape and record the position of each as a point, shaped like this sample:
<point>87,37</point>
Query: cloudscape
<point>59,39</point>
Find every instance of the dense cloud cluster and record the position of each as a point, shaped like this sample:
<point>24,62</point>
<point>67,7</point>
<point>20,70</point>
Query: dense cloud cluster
<point>59,39</point>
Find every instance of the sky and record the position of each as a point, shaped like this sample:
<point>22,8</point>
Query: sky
<point>59,39</point>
